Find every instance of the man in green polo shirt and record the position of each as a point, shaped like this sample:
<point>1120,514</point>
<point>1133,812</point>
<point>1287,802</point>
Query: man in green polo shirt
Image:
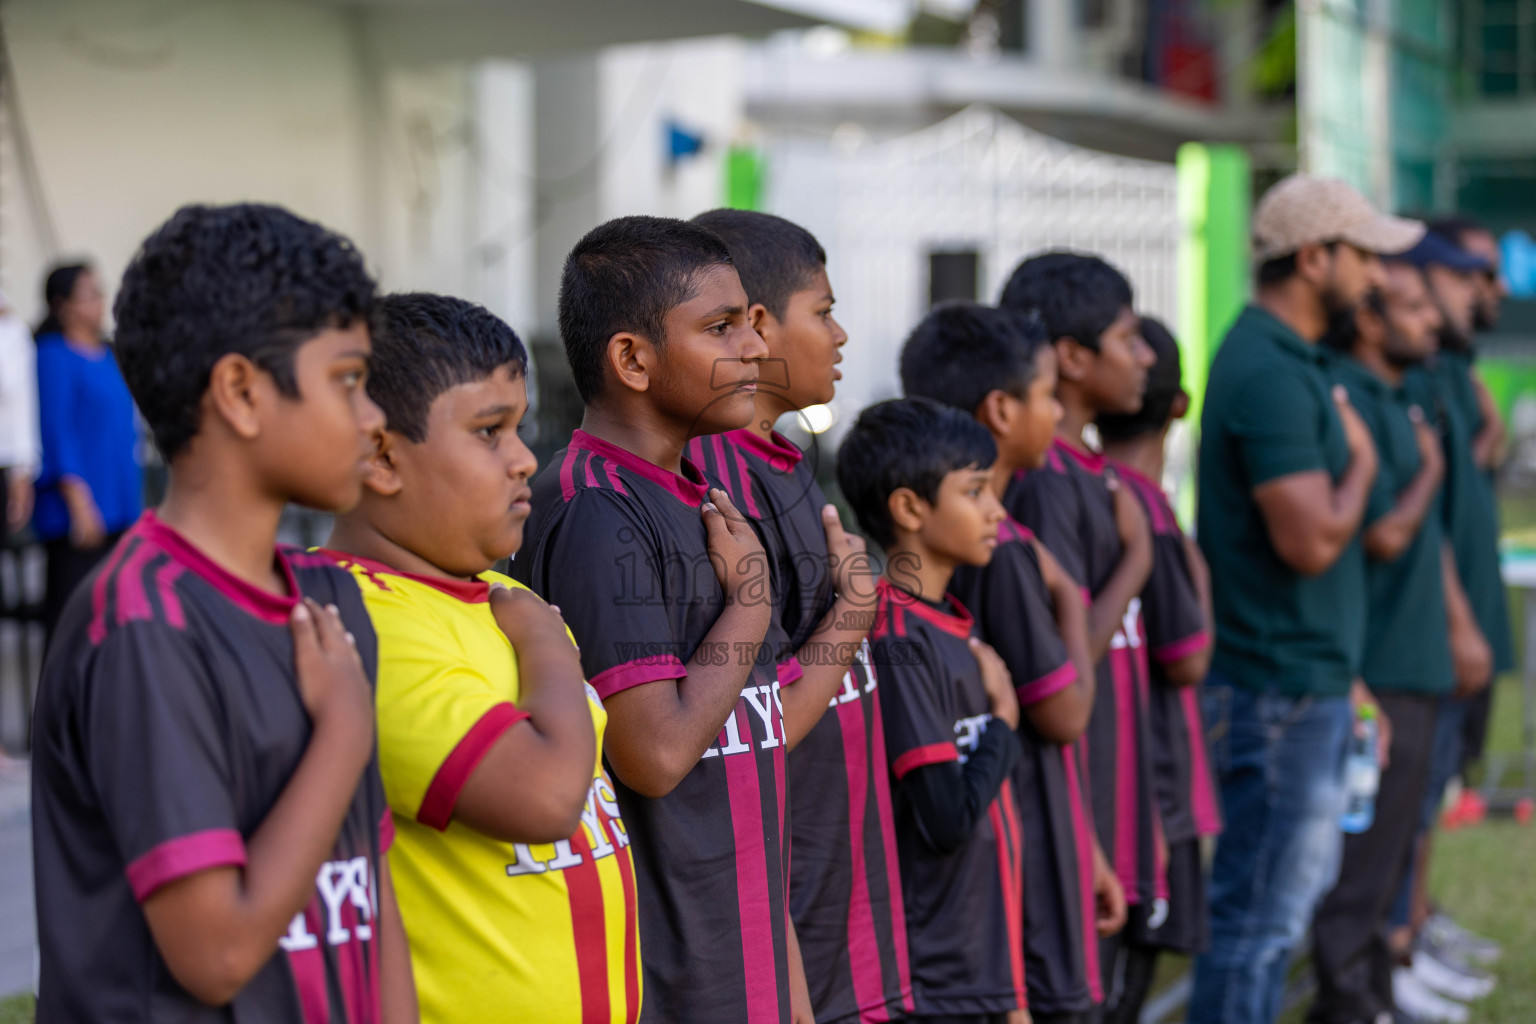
<point>1286,468</point>
<point>1414,604</point>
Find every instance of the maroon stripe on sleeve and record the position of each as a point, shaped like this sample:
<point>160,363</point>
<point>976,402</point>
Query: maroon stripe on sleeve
<point>584,888</point>
<point>1182,648</point>
<point>436,808</point>
<point>917,757</point>
<point>756,908</point>
<point>746,485</point>
<point>636,673</point>
<point>183,856</point>
<point>863,942</point>
<point>790,672</point>
<point>1048,685</point>
<point>132,599</point>
<point>882,786</point>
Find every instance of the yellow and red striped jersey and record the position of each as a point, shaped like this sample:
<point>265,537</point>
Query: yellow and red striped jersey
<point>542,933</point>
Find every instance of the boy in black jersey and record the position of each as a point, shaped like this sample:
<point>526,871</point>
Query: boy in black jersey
<point>1097,530</point>
<point>999,366</point>
<point>916,474</point>
<point>845,890</point>
<point>1176,607</point>
<point>208,822</point>
<point>667,590</point>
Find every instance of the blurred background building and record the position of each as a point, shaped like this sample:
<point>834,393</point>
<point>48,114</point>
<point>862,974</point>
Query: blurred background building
<point>930,144</point>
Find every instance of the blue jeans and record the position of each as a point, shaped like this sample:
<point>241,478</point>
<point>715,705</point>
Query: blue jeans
<point>1280,764</point>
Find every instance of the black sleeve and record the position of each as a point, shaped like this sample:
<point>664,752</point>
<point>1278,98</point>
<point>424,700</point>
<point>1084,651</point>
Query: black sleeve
<point>1017,617</point>
<point>949,798</point>
<point>1170,604</point>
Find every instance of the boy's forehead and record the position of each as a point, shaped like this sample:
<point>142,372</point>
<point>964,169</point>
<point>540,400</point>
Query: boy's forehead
<point>342,342</point>
<point>715,289</point>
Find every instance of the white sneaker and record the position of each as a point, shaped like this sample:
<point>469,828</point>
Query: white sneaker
<point>1448,981</point>
<point>1415,998</point>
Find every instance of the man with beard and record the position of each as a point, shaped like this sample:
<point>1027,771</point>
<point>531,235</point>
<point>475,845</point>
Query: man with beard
<point>1447,958</point>
<point>1488,443</point>
<point>1414,605</point>
<point>1286,469</point>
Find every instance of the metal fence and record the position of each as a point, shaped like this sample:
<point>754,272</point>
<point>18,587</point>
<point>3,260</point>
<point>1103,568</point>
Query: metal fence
<point>979,182</point>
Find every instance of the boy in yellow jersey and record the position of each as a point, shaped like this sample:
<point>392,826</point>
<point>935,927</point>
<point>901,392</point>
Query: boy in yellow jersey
<point>511,862</point>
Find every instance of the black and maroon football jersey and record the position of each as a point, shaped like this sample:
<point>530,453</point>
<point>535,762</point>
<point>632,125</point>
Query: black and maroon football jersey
<point>964,908</point>
<point>1176,628</point>
<point>1013,610</point>
<point>1069,506</point>
<point>168,723</point>
<point>619,544</point>
<point>844,882</point>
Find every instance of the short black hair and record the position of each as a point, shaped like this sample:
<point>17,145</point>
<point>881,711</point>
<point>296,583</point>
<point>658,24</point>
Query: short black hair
<point>906,442</point>
<point>1282,268</point>
<point>1164,385</point>
<point>214,280</point>
<point>962,351</point>
<point>424,344</point>
<point>1076,294</point>
<point>774,257</point>
<point>627,275</point>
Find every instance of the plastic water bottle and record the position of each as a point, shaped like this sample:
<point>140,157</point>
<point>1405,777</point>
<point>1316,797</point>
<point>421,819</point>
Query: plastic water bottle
<point>1362,773</point>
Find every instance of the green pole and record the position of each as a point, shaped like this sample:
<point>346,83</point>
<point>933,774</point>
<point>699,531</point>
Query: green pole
<point>1214,197</point>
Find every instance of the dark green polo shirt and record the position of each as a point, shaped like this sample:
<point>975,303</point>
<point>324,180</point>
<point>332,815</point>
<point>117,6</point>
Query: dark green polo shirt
<point>1407,648</point>
<point>1471,505</point>
<point>1268,414</point>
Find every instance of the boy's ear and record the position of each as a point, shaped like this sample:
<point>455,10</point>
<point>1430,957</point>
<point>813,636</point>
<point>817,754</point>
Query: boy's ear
<point>995,412</point>
<point>908,511</point>
<point>232,396</point>
<point>383,470</point>
<point>632,359</point>
<point>1073,359</point>
<point>1180,407</point>
<point>762,321</point>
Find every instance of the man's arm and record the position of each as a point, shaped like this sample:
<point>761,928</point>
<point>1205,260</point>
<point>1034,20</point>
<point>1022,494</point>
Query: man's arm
<point>1390,535</point>
<point>658,731</point>
<point>1471,656</point>
<point>397,982</point>
<point>1489,446</point>
<point>217,927</point>
<point>841,631</point>
<point>532,784</point>
<point>1310,519</point>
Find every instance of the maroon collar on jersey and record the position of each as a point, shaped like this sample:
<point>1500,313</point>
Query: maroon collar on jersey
<point>468,591</point>
<point>1012,529</point>
<point>957,620</point>
<point>1088,460</point>
<point>690,487</point>
<point>779,451</point>
<point>267,606</point>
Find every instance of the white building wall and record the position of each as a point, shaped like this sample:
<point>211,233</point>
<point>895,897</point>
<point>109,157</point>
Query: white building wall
<point>134,108</point>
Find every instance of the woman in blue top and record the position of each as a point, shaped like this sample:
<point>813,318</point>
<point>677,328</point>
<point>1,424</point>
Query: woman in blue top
<point>90,488</point>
